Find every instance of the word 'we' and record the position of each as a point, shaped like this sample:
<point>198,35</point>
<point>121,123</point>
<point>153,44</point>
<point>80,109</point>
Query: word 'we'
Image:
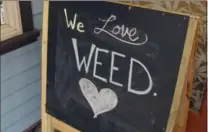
<point>70,24</point>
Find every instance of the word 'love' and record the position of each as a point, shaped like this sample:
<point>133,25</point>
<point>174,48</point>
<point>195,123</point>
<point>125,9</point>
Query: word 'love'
<point>121,31</point>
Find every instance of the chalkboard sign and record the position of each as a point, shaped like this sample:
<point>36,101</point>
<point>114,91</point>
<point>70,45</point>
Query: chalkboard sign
<point>113,67</point>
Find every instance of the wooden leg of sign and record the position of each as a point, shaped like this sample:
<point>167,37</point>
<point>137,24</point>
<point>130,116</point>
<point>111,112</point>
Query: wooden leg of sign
<point>181,122</point>
<point>61,126</point>
<point>180,125</point>
<point>46,119</point>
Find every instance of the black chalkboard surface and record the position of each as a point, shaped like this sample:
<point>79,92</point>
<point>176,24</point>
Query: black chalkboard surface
<point>111,67</point>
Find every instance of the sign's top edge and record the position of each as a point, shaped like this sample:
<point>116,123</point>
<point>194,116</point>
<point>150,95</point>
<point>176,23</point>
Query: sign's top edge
<point>193,16</point>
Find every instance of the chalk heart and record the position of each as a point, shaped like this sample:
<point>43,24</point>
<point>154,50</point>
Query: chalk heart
<point>100,102</point>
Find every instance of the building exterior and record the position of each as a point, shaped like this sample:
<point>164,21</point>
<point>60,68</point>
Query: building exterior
<point>2,14</point>
<point>20,81</point>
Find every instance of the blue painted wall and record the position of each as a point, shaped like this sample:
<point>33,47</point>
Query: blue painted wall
<point>20,82</point>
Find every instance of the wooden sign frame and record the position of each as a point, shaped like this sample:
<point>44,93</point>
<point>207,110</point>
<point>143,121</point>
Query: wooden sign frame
<point>180,105</point>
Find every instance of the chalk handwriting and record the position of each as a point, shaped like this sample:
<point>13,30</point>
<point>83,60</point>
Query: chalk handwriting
<point>100,102</point>
<point>79,64</point>
<point>122,31</point>
<point>113,68</point>
<point>98,63</point>
<point>130,78</point>
<point>70,24</point>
